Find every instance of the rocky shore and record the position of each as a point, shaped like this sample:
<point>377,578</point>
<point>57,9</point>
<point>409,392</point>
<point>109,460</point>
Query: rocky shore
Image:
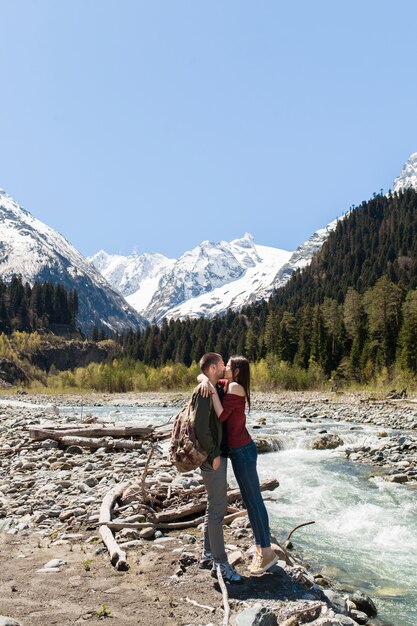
<point>55,569</point>
<point>395,456</point>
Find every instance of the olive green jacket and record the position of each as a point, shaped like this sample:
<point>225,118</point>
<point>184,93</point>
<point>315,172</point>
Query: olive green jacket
<point>208,429</point>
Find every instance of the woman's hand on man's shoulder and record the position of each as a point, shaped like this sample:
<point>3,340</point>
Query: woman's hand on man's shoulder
<point>236,389</point>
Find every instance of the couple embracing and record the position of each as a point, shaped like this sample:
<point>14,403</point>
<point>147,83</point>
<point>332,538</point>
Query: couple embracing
<point>220,427</point>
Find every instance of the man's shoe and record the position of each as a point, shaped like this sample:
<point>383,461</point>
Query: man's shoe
<point>228,572</point>
<point>261,564</point>
<point>206,560</point>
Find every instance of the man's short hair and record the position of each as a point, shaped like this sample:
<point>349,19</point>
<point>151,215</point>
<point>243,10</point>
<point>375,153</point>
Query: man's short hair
<point>210,358</point>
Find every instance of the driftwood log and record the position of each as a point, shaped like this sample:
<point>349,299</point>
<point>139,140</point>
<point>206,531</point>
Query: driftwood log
<point>120,525</point>
<point>39,433</point>
<point>191,508</point>
<point>172,519</point>
<point>108,443</point>
<point>117,555</point>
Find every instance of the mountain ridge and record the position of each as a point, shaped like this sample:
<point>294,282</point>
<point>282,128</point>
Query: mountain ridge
<point>38,253</point>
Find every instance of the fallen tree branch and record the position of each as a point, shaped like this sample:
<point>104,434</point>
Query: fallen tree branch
<point>118,556</point>
<point>297,527</point>
<point>130,525</point>
<point>224,595</point>
<point>309,611</point>
<point>201,606</point>
<point>121,524</point>
<point>186,510</point>
<point>146,470</point>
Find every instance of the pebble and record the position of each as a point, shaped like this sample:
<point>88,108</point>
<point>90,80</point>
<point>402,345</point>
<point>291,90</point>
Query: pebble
<point>147,533</point>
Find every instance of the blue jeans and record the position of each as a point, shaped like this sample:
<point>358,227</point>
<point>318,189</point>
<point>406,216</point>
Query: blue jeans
<point>244,466</point>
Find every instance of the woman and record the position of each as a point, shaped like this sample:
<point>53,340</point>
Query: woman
<point>243,454</point>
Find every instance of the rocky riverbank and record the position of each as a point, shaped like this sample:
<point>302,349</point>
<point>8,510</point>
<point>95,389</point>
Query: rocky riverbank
<point>49,506</point>
<point>395,456</point>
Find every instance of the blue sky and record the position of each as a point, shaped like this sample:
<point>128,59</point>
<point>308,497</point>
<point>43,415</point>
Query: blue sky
<point>155,125</point>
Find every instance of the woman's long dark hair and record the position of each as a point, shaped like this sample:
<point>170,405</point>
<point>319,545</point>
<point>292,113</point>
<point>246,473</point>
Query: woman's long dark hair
<point>243,376</point>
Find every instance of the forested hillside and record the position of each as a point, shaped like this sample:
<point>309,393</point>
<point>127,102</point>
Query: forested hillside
<point>44,306</point>
<point>352,312</point>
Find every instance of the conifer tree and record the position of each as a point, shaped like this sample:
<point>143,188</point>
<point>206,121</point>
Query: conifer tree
<point>408,335</point>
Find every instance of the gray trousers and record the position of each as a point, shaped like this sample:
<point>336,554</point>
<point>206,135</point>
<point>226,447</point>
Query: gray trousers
<point>215,482</point>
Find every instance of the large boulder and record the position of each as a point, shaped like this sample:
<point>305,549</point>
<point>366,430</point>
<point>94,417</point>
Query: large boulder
<point>327,442</point>
<point>268,443</point>
<point>256,615</point>
<point>364,603</point>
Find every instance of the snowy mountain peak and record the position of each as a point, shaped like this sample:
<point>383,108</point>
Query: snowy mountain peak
<point>244,242</point>
<point>38,253</point>
<point>204,281</point>
<point>136,276</point>
<point>408,176</point>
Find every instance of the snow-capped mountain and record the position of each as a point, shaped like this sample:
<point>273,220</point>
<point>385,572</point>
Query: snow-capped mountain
<point>203,282</point>
<point>200,272</point>
<point>408,176</point>
<point>254,283</point>
<point>207,280</point>
<point>302,256</point>
<point>38,253</point>
<point>136,276</point>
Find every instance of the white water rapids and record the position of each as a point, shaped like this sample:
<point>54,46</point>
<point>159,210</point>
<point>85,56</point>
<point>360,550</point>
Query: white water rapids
<point>365,531</point>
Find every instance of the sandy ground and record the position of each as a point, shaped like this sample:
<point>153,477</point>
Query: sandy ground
<point>148,593</point>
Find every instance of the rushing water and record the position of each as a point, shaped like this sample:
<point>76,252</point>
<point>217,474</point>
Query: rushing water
<point>365,531</point>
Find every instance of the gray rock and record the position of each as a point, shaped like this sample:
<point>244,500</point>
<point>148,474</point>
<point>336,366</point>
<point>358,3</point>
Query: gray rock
<point>147,533</point>
<point>54,563</point>
<point>326,621</point>
<point>327,442</point>
<point>267,444</point>
<point>257,615</point>
<point>48,444</point>
<point>359,616</point>
<point>74,450</point>
<point>91,481</point>
<point>336,600</point>
<point>8,621</point>
<point>6,524</point>
<point>398,478</point>
<point>364,603</point>
<point>345,620</point>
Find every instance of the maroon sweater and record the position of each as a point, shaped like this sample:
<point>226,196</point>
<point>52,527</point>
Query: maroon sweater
<point>234,413</point>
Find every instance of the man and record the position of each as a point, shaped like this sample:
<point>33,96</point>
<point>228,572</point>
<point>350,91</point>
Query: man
<point>211,435</point>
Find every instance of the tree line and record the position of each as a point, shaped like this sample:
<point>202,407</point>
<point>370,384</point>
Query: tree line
<point>42,306</point>
<point>351,312</point>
